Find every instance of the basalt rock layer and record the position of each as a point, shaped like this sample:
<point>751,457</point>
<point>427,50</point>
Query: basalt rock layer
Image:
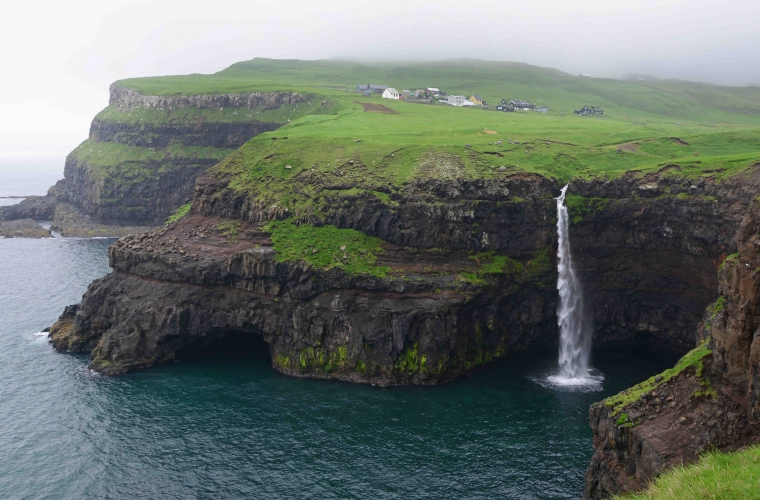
<point>648,247</point>
<point>713,404</point>
<point>137,169</point>
<point>433,302</point>
<point>190,285</point>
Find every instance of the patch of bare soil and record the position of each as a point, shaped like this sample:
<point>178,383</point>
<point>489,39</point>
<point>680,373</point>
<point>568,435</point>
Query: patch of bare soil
<point>669,167</point>
<point>631,147</point>
<point>679,141</point>
<point>213,236</point>
<point>491,132</point>
<point>377,108</point>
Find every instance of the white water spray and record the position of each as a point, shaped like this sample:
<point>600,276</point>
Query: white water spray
<point>574,327</point>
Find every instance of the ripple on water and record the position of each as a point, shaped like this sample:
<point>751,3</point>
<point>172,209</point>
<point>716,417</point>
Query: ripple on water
<point>229,427</point>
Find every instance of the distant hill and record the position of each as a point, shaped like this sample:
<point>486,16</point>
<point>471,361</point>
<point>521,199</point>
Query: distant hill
<point>645,99</point>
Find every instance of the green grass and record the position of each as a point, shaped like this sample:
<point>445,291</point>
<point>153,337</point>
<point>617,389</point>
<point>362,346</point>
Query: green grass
<point>692,358</point>
<point>110,154</point>
<point>326,247</point>
<point>179,213</point>
<point>489,263</point>
<point>578,207</point>
<point>717,475</point>
<point>562,93</point>
<point>430,142</point>
<point>422,142</point>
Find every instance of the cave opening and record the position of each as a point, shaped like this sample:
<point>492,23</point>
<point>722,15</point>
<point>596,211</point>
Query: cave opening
<point>225,343</point>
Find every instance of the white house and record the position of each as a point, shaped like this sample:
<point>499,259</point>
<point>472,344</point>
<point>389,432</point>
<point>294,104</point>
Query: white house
<point>458,100</point>
<point>433,91</point>
<point>391,93</point>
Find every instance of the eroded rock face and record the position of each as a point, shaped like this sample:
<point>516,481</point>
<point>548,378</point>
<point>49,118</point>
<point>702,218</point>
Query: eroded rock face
<point>711,406</point>
<point>203,134</point>
<point>145,192</point>
<point>648,259</point>
<point>735,319</point>
<point>126,99</point>
<point>120,200</point>
<point>184,286</point>
<point>33,207</point>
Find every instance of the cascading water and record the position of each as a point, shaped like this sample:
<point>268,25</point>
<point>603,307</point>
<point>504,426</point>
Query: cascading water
<point>574,326</point>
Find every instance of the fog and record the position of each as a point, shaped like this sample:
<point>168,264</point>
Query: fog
<point>58,58</point>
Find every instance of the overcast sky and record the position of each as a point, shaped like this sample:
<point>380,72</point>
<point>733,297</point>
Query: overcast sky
<point>58,57</point>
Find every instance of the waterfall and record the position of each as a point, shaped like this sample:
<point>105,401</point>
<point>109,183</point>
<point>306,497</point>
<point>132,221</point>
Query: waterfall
<point>574,327</point>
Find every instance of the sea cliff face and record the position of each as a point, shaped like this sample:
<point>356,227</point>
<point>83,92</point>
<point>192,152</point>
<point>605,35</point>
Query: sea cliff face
<point>709,400</point>
<point>648,247</point>
<point>145,152</point>
<point>188,285</point>
<point>434,295</point>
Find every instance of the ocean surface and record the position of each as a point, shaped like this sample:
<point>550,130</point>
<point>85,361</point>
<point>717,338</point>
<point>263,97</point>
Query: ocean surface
<point>227,426</point>
<point>27,176</point>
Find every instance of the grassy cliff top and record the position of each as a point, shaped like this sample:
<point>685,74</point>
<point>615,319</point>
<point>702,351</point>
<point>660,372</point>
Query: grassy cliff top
<point>685,128</point>
<point>562,93</point>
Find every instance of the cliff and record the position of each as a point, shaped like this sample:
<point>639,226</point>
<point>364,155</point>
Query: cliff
<point>708,401</point>
<point>144,152</point>
<point>413,314</point>
<point>454,273</point>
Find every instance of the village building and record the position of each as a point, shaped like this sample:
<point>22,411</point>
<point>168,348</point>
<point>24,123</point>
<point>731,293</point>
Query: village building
<point>391,93</point>
<point>458,100</point>
<point>434,92</point>
<point>406,94</point>
<point>370,87</point>
<point>475,98</point>
<point>518,104</point>
<point>589,110</point>
<point>504,107</point>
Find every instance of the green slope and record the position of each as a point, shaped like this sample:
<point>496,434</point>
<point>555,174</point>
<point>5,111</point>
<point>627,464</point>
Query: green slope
<point>682,128</point>
<point>562,93</point>
<point>725,476</point>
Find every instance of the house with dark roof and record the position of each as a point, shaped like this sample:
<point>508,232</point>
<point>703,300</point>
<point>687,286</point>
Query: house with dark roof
<point>371,87</point>
<point>589,110</point>
<point>504,106</point>
<point>518,104</point>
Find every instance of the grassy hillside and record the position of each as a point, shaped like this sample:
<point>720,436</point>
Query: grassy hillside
<point>368,144</point>
<point>562,93</point>
<point>725,476</point>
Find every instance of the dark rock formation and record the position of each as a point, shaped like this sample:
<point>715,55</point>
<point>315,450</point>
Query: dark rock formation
<point>203,134</point>
<point>145,192</point>
<point>118,200</point>
<point>714,405</point>
<point>735,325</point>
<point>647,249</point>
<point>126,99</point>
<point>33,207</point>
<point>185,285</point>
<point>668,426</point>
<point>22,228</point>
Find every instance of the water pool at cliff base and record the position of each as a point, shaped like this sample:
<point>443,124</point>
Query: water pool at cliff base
<point>226,426</point>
